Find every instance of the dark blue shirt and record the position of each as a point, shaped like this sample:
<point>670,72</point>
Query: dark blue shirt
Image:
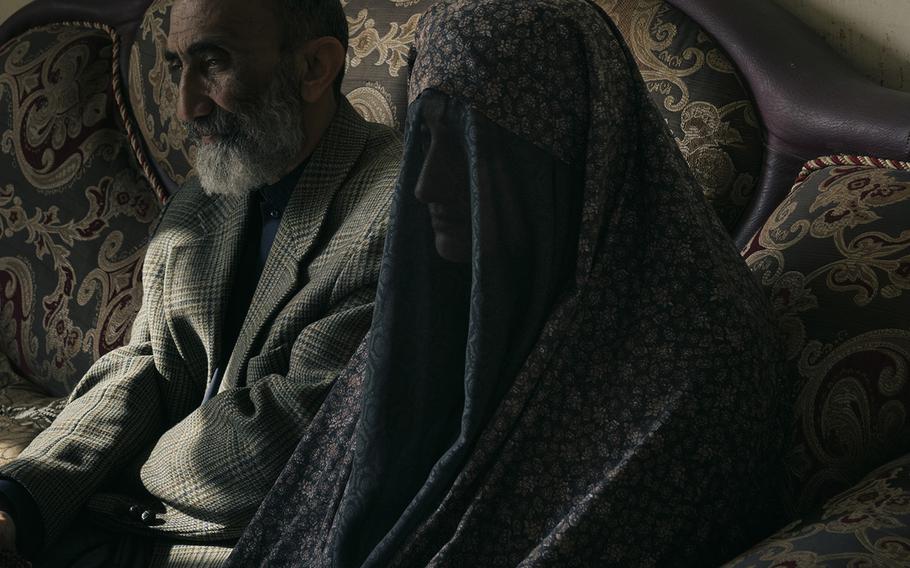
<point>272,199</point>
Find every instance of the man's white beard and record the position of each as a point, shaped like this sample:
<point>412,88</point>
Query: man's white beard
<point>254,146</point>
<point>227,169</point>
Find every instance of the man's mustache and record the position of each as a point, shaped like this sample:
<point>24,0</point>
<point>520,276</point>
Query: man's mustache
<point>220,123</point>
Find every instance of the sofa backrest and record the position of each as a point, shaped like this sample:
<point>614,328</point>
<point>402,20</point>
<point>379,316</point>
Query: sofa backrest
<point>834,258</point>
<point>75,207</point>
<point>84,167</point>
<point>702,96</point>
<point>688,75</point>
<point>750,93</point>
<point>809,101</point>
<point>153,97</point>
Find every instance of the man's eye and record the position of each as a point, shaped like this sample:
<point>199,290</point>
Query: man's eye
<point>174,66</point>
<point>213,63</point>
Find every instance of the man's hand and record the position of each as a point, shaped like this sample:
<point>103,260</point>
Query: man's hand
<point>7,532</point>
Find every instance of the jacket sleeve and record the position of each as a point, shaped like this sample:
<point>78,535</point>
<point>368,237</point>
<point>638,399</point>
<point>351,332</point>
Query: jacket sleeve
<point>113,413</point>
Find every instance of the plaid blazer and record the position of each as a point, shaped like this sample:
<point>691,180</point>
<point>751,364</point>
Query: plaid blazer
<point>134,424</point>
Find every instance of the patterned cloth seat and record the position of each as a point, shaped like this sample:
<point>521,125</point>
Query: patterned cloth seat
<point>835,259</point>
<point>75,213</point>
<point>24,410</point>
<point>866,525</point>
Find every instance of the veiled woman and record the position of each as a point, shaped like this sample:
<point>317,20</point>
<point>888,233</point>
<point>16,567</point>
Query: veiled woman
<point>569,362</point>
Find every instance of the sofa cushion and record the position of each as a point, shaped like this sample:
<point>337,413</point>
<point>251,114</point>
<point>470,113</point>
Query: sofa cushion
<point>24,411</point>
<point>868,525</point>
<point>75,212</point>
<point>702,97</point>
<point>835,261</point>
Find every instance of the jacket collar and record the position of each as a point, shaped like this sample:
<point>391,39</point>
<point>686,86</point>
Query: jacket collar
<point>202,268</point>
<point>284,272</point>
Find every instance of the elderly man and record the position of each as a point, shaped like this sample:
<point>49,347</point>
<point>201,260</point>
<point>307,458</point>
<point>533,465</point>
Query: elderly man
<point>259,284</point>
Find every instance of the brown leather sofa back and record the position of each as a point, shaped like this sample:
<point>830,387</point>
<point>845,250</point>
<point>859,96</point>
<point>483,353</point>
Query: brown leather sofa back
<point>810,101</point>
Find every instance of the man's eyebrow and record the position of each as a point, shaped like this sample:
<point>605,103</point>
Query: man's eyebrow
<point>195,49</point>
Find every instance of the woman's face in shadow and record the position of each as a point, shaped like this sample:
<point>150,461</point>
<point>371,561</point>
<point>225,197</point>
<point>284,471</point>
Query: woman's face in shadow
<point>444,184</point>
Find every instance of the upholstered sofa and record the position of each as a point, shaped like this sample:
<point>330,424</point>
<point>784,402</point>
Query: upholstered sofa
<point>806,162</point>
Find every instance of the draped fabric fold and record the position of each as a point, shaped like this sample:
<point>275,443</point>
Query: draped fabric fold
<point>600,385</point>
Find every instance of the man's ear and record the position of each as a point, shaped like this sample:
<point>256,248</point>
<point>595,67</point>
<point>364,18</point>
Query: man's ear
<point>322,61</point>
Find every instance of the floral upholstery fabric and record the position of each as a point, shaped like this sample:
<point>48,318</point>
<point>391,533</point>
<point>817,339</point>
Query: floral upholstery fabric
<point>74,211</point>
<point>835,260</point>
<point>381,35</point>
<point>153,97</point>
<point>867,526</point>
<point>702,97</point>
<point>24,411</point>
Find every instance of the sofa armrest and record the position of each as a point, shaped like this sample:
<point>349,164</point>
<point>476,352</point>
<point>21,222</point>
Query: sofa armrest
<point>869,524</point>
<point>810,101</point>
<point>76,207</point>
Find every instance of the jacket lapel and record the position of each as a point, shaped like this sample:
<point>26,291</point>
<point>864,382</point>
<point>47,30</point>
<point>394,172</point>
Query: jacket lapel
<point>201,271</point>
<point>284,272</point>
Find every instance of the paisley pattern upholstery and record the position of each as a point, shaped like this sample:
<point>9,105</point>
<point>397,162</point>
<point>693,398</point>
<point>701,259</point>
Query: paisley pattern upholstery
<point>835,260</point>
<point>74,210</point>
<point>153,97</point>
<point>702,97</point>
<point>24,411</point>
<point>382,34</point>
<point>868,526</point>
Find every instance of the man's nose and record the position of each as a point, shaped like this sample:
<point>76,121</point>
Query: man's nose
<point>192,99</point>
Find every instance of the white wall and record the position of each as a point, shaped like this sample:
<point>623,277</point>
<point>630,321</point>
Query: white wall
<point>873,34</point>
<point>7,7</point>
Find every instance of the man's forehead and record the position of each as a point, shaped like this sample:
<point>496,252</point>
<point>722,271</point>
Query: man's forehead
<point>222,21</point>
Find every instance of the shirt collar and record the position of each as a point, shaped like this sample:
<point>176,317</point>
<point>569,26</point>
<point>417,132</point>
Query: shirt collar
<point>274,198</point>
